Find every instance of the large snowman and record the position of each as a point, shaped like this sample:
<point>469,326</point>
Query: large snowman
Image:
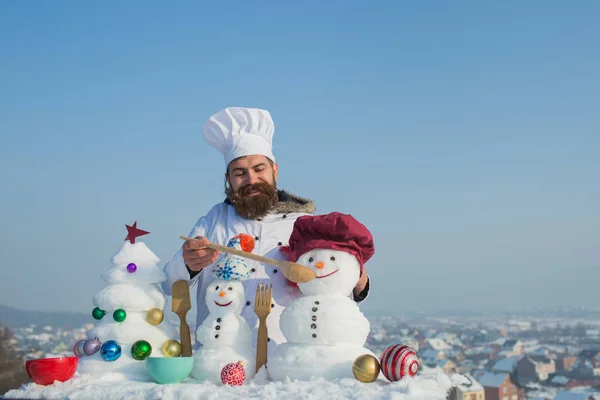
<point>325,330</point>
<point>225,336</point>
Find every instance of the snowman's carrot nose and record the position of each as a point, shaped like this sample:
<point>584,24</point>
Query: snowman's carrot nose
<point>319,264</point>
<point>222,294</point>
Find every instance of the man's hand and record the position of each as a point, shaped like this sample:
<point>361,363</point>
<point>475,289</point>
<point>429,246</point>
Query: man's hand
<point>362,283</point>
<point>196,255</point>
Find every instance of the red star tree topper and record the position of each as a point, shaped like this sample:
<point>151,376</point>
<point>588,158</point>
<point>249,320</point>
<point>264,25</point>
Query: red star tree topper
<point>133,232</point>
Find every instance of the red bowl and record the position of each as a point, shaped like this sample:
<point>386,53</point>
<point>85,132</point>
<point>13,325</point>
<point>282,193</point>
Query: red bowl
<point>45,371</point>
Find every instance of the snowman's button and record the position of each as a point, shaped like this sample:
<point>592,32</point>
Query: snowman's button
<point>272,305</point>
<point>256,237</point>
<point>247,303</point>
<point>314,308</point>
<point>274,271</point>
<point>314,326</point>
<point>218,319</point>
<point>314,317</point>
<point>253,270</point>
<point>268,339</point>
<point>218,327</point>
<point>317,302</point>
<point>279,243</point>
<point>216,336</point>
<point>284,216</point>
<point>314,335</point>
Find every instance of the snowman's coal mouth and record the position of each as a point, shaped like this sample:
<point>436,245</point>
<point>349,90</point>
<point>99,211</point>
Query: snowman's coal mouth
<point>325,276</point>
<point>223,305</point>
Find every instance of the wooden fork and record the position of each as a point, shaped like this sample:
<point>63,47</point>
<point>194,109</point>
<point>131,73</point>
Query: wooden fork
<point>262,308</point>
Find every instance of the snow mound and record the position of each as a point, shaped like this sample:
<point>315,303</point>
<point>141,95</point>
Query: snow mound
<point>430,387</point>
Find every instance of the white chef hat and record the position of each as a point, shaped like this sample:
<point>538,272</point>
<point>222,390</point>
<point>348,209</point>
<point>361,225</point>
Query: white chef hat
<point>240,131</point>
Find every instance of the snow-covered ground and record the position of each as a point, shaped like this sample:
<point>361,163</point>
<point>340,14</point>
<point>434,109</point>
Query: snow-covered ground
<point>431,387</point>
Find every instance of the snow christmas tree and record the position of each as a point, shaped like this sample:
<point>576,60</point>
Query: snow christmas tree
<point>131,324</point>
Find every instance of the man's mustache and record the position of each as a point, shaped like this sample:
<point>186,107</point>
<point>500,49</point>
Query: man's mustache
<point>260,187</point>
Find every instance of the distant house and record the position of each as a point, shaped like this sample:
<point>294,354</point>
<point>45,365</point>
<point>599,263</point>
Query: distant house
<point>408,341</point>
<point>551,352</point>
<point>576,380</point>
<point>565,363</point>
<point>447,366</point>
<point>466,367</point>
<point>451,339</point>
<point>436,344</point>
<point>499,386</point>
<point>508,365</point>
<point>508,346</point>
<point>559,381</point>
<point>433,350</point>
<point>543,366</point>
<point>480,337</point>
<point>478,354</point>
<point>526,371</point>
<point>479,372</point>
<point>446,336</point>
<point>456,355</point>
<point>533,369</point>
<point>504,354</point>
<point>468,391</point>
<point>591,355</point>
<point>428,356</point>
<point>566,395</point>
<point>588,363</point>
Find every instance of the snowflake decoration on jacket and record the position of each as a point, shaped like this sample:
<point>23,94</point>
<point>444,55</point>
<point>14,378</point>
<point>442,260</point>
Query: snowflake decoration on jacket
<point>232,267</point>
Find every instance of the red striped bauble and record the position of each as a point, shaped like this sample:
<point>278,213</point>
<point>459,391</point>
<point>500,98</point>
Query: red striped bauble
<point>398,361</point>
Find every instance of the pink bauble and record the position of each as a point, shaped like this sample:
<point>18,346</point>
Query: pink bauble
<point>78,348</point>
<point>399,361</point>
<point>233,374</point>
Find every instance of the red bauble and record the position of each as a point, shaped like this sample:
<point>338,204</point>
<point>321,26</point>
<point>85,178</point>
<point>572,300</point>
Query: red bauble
<point>399,361</point>
<point>233,374</point>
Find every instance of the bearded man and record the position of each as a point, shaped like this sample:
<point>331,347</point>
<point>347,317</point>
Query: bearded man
<point>253,205</point>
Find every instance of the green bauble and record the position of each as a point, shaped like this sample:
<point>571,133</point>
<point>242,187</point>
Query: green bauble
<point>119,315</point>
<point>140,350</point>
<point>98,313</point>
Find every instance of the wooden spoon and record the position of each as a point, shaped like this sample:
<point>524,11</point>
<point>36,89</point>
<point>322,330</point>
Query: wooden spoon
<point>181,304</point>
<point>294,272</point>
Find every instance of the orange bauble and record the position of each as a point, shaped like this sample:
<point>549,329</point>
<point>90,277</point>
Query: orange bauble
<point>247,242</point>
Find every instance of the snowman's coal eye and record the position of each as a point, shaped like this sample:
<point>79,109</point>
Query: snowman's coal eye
<point>217,288</point>
<point>230,288</point>
<point>310,259</point>
<point>332,258</point>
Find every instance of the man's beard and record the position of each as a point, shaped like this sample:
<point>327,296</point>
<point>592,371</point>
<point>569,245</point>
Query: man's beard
<point>256,206</point>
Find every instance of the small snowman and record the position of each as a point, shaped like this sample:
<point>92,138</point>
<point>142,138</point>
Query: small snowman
<point>325,330</point>
<point>225,336</point>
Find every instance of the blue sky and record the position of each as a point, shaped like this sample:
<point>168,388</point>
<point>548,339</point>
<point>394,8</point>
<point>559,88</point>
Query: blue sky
<point>465,135</point>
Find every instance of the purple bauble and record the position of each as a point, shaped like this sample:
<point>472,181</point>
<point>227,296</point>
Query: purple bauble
<point>131,268</point>
<point>91,346</point>
<point>78,348</point>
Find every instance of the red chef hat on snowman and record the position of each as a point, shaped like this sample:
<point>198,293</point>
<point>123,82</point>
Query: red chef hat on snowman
<point>335,231</point>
